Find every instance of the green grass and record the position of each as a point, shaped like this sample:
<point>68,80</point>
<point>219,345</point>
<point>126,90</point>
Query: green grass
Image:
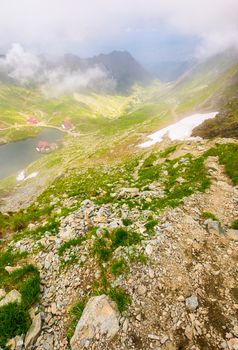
<point>14,320</point>
<point>20,220</point>
<point>150,225</point>
<point>105,245</point>
<point>51,226</point>
<point>119,267</point>
<point>234,225</point>
<point>228,156</point>
<point>26,280</point>
<point>71,243</point>
<point>142,258</point>
<point>103,249</point>
<point>191,169</point>
<point>75,313</point>
<point>120,297</point>
<point>207,215</point>
<point>10,258</point>
<point>127,222</point>
<point>168,151</point>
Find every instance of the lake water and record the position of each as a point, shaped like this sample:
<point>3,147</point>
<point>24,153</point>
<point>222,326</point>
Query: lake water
<point>15,156</point>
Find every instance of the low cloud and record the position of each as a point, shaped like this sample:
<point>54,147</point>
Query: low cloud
<point>80,26</point>
<point>55,79</point>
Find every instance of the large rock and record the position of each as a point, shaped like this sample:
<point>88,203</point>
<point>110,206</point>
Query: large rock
<point>233,344</point>
<point>132,192</point>
<point>33,332</point>
<point>12,297</point>
<point>100,316</point>
<point>214,227</point>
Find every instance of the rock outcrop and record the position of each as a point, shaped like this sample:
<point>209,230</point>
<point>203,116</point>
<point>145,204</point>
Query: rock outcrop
<point>12,297</point>
<point>99,319</point>
<point>33,331</point>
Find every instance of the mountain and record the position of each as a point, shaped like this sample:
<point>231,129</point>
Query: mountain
<point>123,67</point>
<point>120,66</point>
<point>102,232</point>
<point>120,71</point>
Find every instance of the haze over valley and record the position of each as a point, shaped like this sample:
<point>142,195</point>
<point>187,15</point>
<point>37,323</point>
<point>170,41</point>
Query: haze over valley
<point>118,175</point>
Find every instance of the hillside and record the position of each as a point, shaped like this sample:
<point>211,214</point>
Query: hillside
<point>146,239</point>
<point>123,68</point>
<point>226,122</point>
<point>111,246</point>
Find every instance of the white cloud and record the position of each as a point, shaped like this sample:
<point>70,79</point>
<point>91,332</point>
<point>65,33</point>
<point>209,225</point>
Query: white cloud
<point>50,25</point>
<point>27,68</point>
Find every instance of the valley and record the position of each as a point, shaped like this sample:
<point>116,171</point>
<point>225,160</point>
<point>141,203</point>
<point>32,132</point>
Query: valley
<point>107,245</point>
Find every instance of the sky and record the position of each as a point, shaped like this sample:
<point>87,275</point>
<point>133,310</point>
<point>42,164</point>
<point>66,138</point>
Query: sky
<point>152,30</point>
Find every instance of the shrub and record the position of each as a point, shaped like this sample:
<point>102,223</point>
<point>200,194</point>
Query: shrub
<point>69,244</point>
<point>118,267</point>
<point>207,215</point>
<point>150,225</point>
<point>167,151</point>
<point>127,222</point>
<point>120,297</point>
<point>121,237</point>
<point>14,320</point>
<point>234,224</point>
<point>75,313</point>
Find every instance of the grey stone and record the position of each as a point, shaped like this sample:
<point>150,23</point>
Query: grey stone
<point>192,303</point>
<point>12,297</point>
<point>214,227</point>
<point>34,331</point>
<point>99,316</point>
<point>19,342</point>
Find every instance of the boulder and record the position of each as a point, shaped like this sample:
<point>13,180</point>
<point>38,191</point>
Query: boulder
<point>233,344</point>
<point>214,227</point>
<point>11,269</point>
<point>33,332</point>
<point>12,297</point>
<point>100,317</point>
<point>132,192</point>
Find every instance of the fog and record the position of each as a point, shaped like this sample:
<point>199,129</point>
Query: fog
<point>26,69</point>
<point>89,27</point>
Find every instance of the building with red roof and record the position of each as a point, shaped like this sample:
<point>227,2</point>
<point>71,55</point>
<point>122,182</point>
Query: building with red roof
<point>67,125</point>
<point>43,146</point>
<point>32,120</point>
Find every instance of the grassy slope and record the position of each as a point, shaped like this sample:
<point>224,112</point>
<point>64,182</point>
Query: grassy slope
<point>109,124</point>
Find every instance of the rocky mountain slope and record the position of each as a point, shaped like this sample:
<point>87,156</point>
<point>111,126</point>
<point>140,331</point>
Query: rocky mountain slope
<point>141,254</point>
<point>119,65</point>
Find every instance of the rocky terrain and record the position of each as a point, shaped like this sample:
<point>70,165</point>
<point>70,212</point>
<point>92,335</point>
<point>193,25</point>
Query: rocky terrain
<point>119,276</point>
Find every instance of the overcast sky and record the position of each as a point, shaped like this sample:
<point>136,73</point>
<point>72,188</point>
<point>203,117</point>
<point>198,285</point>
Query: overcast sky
<point>150,29</point>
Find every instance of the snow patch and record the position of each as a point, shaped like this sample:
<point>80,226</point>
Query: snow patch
<point>180,130</point>
<point>22,177</point>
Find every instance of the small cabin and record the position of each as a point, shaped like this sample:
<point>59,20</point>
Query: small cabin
<point>32,120</point>
<point>67,125</point>
<point>43,146</point>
